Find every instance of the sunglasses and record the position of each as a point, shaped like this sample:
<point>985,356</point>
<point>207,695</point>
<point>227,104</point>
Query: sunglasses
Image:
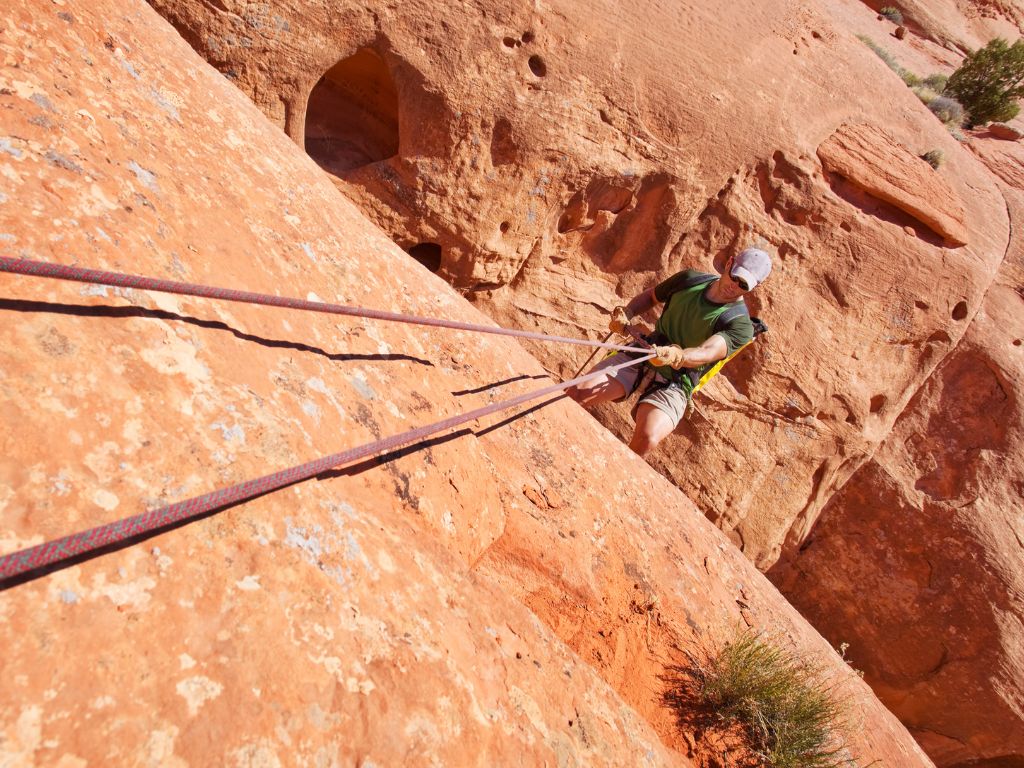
<point>740,282</point>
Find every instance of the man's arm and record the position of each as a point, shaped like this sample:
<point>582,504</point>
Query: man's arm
<point>637,306</point>
<point>712,350</point>
<point>642,302</point>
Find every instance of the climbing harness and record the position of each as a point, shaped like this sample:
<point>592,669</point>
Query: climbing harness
<point>35,561</point>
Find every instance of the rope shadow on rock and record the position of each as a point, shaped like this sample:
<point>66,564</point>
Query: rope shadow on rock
<point>92,310</point>
<point>501,383</point>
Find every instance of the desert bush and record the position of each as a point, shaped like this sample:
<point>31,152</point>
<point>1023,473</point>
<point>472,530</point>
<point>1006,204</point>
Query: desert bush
<point>936,82</point>
<point>788,707</point>
<point>910,78</point>
<point>989,82</point>
<point>883,54</point>
<point>924,93</point>
<point>892,14</point>
<point>933,157</point>
<point>948,110</point>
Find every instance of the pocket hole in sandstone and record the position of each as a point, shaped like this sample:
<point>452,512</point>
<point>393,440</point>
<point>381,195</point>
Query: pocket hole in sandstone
<point>920,304</point>
<point>427,254</point>
<point>352,114</point>
<point>537,66</point>
<point>527,37</point>
<point>960,310</point>
<point>509,42</point>
<point>877,403</point>
<point>845,227</point>
<point>1016,342</point>
<point>503,145</point>
<point>503,227</point>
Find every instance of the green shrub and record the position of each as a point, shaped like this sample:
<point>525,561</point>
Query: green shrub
<point>787,707</point>
<point>936,82</point>
<point>933,157</point>
<point>892,14</point>
<point>948,110</point>
<point>989,82</point>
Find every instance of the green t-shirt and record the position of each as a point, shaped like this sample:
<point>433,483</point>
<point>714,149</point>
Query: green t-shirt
<point>688,320</point>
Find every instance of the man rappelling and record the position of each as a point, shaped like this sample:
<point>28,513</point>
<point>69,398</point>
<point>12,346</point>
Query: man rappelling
<point>704,321</point>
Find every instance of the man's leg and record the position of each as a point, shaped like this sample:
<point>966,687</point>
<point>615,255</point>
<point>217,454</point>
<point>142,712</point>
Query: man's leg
<point>656,415</point>
<point>600,389</point>
<point>612,386</point>
<point>652,426</point>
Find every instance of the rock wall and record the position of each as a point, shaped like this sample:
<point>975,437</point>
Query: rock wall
<point>551,173</point>
<point>939,505</point>
<point>524,590</point>
<point>553,161</point>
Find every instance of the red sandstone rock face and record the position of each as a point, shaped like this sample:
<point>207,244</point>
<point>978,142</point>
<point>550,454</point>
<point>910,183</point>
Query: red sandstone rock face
<point>876,165</point>
<point>960,24</point>
<point>552,162</point>
<point>939,504</point>
<point>1006,132</point>
<point>518,592</point>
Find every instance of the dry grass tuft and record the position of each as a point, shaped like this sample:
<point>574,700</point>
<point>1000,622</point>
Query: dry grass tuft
<point>788,707</point>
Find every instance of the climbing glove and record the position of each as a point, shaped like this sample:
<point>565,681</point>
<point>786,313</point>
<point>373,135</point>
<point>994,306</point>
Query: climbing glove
<point>671,355</point>
<point>619,320</point>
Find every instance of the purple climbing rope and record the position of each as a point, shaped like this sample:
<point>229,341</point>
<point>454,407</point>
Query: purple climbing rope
<point>120,280</point>
<point>52,552</point>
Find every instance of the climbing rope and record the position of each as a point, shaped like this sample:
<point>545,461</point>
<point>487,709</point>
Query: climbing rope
<point>120,280</point>
<point>67,547</point>
<point>35,559</point>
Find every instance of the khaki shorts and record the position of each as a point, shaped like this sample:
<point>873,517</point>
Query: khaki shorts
<point>669,398</point>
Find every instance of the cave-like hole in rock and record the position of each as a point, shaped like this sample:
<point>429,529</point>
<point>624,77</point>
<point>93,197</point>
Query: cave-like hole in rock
<point>352,114</point>
<point>960,310</point>
<point>427,254</point>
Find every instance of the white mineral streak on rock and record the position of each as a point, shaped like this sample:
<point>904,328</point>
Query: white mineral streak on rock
<point>249,583</point>
<point>133,593</point>
<point>197,691</point>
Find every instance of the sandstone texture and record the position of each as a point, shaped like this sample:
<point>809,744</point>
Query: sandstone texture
<point>550,162</point>
<point>962,25</point>
<point>876,165</point>
<point>1005,132</point>
<point>521,592</point>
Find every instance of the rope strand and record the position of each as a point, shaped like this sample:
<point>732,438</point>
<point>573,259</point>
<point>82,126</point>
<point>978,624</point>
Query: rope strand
<point>32,268</point>
<point>58,550</point>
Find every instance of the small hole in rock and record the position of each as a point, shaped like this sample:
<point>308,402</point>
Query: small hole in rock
<point>537,66</point>
<point>846,227</point>
<point>503,227</point>
<point>920,304</point>
<point>427,254</point>
<point>510,42</point>
<point>527,37</point>
<point>1016,342</point>
<point>877,402</point>
<point>960,310</point>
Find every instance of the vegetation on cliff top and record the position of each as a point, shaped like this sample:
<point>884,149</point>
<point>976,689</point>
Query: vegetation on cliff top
<point>990,81</point>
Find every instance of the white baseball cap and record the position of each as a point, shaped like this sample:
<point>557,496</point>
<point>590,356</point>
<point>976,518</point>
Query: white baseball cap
<point>752,266</point>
